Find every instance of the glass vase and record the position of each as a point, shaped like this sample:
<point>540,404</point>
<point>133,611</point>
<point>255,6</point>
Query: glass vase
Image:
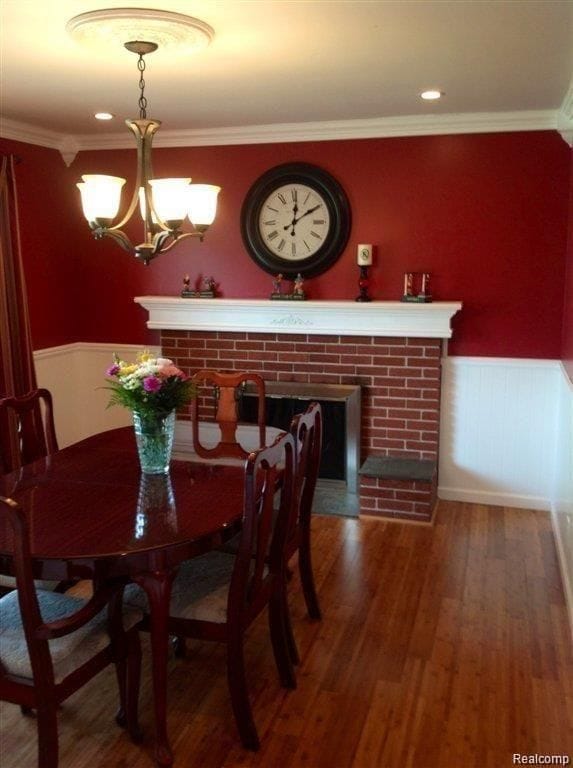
<point>154,438</point>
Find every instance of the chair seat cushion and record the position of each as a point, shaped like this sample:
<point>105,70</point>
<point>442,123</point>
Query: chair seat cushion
<point>199,591</point>
<point>68,652</point>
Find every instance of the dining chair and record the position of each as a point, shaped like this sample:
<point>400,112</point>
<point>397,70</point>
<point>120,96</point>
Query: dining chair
<point>33,435</point>
<point>27,433</point>
<point>51,644</point>
<point>222,390</point>
<point>216,596</point>
<point>306,429</point>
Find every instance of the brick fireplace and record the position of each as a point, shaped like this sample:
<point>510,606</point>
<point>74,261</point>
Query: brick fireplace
<point>391,350</point>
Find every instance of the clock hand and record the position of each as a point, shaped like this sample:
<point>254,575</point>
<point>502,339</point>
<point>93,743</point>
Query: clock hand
<point>295,220</point>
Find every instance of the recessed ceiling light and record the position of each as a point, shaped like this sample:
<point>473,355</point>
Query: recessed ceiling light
<point>104,116</point>
<point>431,95</point>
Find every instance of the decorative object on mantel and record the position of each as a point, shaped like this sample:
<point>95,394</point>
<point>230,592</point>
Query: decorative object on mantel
<point>364,260</point>
<point>417,287</point>
<point>153,389</point>
<point>295,220</point>
<point>297,293</point>
<point>164,203</point>
<point>207,291</point>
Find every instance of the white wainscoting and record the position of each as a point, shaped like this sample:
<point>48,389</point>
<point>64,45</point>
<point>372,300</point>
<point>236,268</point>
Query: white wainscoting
<point>75,375</point>
<point>498,431</point>
<point>562,507</point>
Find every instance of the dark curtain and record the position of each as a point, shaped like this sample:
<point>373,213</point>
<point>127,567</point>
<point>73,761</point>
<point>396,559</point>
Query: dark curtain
<point>17,374</point>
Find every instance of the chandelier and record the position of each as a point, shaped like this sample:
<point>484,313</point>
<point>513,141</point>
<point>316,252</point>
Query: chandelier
<point>164,204</point>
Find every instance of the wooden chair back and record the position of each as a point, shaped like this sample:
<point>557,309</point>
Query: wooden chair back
<point>260,559</point>
<point>225,390</point>
<point>27,430</point>
<point>306,428</point>
<point>43,692</point>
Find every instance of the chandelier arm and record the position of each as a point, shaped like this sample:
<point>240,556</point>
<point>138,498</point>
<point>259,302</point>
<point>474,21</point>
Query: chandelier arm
<point>162,236</point>
<point>120,238</point>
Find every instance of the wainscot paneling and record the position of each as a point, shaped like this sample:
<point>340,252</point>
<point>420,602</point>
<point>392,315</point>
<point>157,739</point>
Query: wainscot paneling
<point>562,507</point>
<point>498,431</point>
<point>75,374</point>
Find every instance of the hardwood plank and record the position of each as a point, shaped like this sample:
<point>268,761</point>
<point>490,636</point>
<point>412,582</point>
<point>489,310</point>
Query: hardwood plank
<point>441,646</point>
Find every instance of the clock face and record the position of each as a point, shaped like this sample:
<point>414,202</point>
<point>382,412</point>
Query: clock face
<point>294,222</point>
<point>295,219</point>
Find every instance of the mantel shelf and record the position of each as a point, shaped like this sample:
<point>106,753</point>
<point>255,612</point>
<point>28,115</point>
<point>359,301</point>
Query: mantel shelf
<point>333,318</point>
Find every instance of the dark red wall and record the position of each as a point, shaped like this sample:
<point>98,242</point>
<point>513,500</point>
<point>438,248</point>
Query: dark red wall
<point>50,234</point>
<point>567,351</point>
<point>485,214</point>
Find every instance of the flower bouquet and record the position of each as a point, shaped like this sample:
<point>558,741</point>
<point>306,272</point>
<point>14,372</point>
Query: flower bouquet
<point>153,388</point>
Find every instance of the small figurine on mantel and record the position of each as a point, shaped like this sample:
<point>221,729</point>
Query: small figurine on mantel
<point>208,288</point>
<point>417,287</point>
<point>277,287</point>
<point>298,290</point>
<point>186,291</point>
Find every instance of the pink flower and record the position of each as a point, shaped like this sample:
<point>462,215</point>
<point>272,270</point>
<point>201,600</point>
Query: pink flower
<point>151,384</point>
<point>170,370</point>
<point>112,370</point>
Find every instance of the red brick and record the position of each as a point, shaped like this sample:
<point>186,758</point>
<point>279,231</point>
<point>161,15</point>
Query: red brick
<point>277,346</point>
<point>324,358</point>
<point>356,359</point>
<point>171,334</point>
<point>250,345</point>
<point>324,338</point>
<point>229,335</point>
<point>266,337</point>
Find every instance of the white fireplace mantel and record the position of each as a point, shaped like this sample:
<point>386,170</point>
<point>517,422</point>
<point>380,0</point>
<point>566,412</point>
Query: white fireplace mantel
<point>333,318</point>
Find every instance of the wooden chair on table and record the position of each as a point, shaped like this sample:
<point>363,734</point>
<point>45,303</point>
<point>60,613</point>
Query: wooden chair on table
<point>27,433</point>
<point>52,644</point>
<point>216,596</point>
<point>226,389</point>
<point>306,429</point>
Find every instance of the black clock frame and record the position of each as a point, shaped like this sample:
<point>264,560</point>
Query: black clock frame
<point>338,208</point>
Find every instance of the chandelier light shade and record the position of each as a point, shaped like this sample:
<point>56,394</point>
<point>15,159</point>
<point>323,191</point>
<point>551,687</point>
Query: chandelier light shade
<point>164,204</point>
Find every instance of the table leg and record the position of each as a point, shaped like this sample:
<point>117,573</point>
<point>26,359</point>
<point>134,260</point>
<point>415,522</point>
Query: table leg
<point>157,586</point>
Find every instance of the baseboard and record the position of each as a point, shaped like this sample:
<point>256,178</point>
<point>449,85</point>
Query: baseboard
<point>495,498</point>
<point>565,566</point>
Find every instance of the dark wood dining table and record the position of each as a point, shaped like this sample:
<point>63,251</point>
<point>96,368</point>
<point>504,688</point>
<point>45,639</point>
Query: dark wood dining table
<point>91,514</point>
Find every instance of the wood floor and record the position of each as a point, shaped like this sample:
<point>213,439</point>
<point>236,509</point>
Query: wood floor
<point>443,647</point>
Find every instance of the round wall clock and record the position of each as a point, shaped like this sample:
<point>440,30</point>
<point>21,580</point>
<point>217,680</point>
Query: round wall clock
<point>295,219</point>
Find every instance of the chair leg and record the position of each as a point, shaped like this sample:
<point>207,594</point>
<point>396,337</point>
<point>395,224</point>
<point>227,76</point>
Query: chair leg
<point>290,638</point>
<point>282,639</point>
<point>132,688</point>
<point>239,694</point>
<point>307,580</point>
<point>47,721</point>
<point>121,674</point>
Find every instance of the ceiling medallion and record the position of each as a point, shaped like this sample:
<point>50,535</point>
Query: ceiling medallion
<point>113,26</point>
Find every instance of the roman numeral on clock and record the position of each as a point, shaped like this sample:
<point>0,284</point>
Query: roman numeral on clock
<point>282,198</point>
<point>272,235</point>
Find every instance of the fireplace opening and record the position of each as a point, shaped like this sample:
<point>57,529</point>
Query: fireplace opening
<point>341,422</point>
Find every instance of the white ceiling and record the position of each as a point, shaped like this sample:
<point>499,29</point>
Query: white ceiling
<point>289,61</point>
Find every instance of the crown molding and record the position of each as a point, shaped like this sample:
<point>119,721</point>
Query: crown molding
<point>384,127</point>
<point>67,145</point>
<point>565,116</point>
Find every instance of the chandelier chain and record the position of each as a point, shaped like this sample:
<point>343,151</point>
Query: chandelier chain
<point>142,100</point>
